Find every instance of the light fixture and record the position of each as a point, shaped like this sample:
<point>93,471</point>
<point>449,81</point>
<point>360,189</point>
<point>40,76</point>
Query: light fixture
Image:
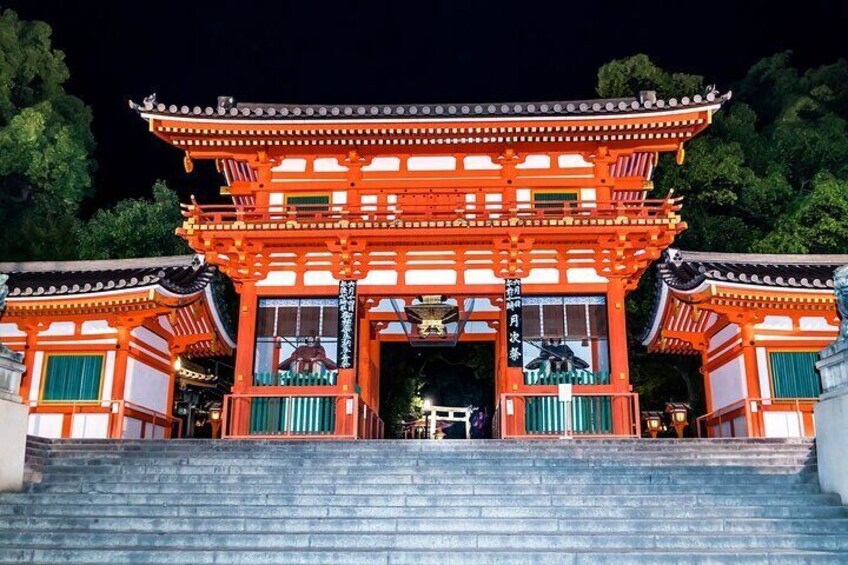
<point>679,414</point>
<point>653,422</point>
<point>428,405</point>
<point>178,364</point>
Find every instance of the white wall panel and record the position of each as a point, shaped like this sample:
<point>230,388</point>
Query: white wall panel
<point>46,425</point>
<point>727,383</point>
<point>94,426</point>
<point>146,386</point>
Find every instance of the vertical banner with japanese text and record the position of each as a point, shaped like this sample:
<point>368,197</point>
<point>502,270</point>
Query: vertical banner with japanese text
<point>514,334</point>
<point>347,324</point>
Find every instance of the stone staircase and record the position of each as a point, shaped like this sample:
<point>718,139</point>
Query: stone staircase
<point>391,502</point>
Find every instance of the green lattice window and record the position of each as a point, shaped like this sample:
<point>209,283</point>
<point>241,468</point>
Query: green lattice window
<point>553,199</point>
<point>794,374</point>
<point>311,200</point>
<point>72,378</point>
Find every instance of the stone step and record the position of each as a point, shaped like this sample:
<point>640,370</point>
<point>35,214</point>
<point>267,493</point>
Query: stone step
<point>228,526</point>
<point>389,467</point>
<point>344,540</point>
<point>514,510</point>
<point>594,489</point>
<point>264,499</point>
<point>260,501</point>
<point>651,476</point>
<point>619,556</point>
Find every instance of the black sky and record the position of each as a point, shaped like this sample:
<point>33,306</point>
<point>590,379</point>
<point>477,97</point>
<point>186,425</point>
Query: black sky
<point>189,52</point>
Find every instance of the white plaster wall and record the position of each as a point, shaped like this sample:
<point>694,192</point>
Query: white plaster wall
<point>59,328</point>
<point>132,428</point>
<point>96,327</point>
<point>35,386</point>
<point>535,162</point>
<point>763,372</point>
<point>781,424</point>
<point>319,278</point>
<point>480,163</point>
<point>724,334</point>
<point>90,426</point>
<point>383,164</point>
<point>740,426</point>
<point>775,323</point>
<point>146,386</point>
<point>380,278</point>
<point>327,165</point>
<point>278,278</point>
<point>10,330</point>
<point>727,383</point>
<point>584,275</point>
<point>481,276</point>
<point>816,323</point>
<point>831,417</point>
<point>542,276</point>
<point>108,375</point>
<point>431,277</point>
<point>573,160</point>
<point>431,163</point>
<point>152,340</point>
<point>45,425</point>
<point>588,194</point>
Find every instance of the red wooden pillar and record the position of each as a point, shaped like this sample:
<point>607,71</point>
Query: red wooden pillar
<point>619,370</point>
<point>119,379</point>
<point>29,359</point>
<point>752,379</point>
<point>246,341</point>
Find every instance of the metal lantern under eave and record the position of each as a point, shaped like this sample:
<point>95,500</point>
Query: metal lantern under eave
<point>678,413</point>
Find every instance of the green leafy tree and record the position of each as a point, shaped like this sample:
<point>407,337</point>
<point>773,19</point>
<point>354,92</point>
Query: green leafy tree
<point>135,228</point>
<point>45,144</point>
<point>770,175</point>
<point>626,77</point>
<point>817,223</point>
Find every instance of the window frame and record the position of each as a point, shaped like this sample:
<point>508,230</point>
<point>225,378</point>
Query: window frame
<point>772,396</point>
<point>46,364</point>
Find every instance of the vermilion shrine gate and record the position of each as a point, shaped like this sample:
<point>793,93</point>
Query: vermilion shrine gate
<point>519,224</point>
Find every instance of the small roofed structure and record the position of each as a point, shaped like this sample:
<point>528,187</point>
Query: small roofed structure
<point>100,341</point>
<point>758,323</point>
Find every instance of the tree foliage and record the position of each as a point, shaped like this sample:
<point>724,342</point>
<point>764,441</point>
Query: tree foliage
<point>45,143</point>
<point>769,176</point>
<point>135,228</point>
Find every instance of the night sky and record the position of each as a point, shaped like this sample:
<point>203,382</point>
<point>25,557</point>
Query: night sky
<point>394,52</point>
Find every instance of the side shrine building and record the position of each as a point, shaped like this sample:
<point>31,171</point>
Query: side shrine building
<point>100,341</point>
<point>758,323</point>
<point>522,224</point>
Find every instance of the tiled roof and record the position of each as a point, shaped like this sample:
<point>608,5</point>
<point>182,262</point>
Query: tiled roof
<point>182,274</point>
<point>228,108</point>
<point>686,270</point>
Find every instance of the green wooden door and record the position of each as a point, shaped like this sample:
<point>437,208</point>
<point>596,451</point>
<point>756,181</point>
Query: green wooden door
<point>794,374</point>
<point>72,378</point>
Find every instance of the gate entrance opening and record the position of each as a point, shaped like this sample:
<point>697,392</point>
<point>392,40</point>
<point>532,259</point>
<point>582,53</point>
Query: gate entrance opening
<point>458,376</point>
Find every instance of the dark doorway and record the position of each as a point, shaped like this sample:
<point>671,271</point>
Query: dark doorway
<point>462,375</point>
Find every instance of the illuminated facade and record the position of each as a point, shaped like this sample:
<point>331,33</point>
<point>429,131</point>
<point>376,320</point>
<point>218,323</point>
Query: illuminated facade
<point>758,323</point>
<point>100,341</point>
<point>523,225</point>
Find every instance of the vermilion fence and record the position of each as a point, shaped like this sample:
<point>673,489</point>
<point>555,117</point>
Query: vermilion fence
<point>308,415</point>
<point>747,418</point>
<point>533,415</point>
